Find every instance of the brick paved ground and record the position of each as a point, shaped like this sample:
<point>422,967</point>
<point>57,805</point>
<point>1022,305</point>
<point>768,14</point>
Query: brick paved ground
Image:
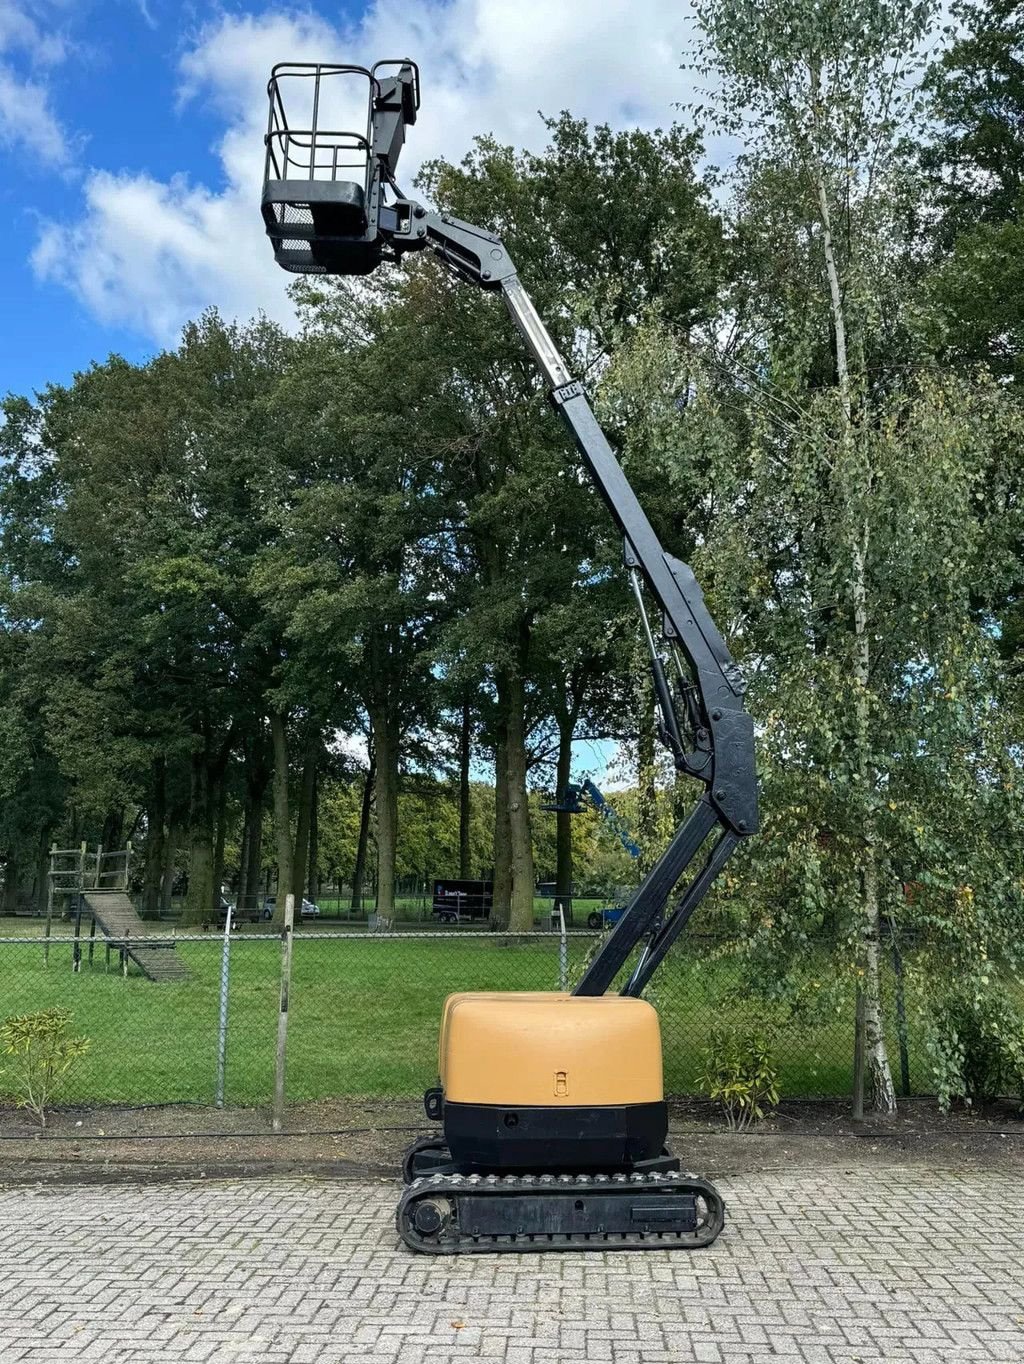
<point>905,1266</point>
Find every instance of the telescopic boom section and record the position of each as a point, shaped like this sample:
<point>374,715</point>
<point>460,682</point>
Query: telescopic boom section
<point>710,712</point>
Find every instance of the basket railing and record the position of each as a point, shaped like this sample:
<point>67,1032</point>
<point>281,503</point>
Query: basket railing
<point>313,152</point>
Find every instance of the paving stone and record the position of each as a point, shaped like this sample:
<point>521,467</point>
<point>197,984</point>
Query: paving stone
<point>272,1272</point>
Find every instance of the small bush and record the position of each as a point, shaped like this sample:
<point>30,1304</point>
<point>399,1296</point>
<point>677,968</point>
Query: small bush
<point>39,1055</point>
<point>977,1046</point>
<point>740,1074</point>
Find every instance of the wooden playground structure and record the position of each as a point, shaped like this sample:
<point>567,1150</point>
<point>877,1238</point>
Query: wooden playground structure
<point>95,885</point>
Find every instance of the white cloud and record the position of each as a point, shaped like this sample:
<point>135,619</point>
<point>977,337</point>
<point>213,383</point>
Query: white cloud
<point>28,125</point>
<point>153,254</point>
<point>150,255</point>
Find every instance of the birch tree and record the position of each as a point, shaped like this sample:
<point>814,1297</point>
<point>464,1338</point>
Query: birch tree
<point>824,91</point>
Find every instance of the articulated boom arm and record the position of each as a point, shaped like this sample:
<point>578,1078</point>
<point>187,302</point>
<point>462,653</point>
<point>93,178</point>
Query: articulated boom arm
<point>721,751</point>
<point>571,802</point>
<point>322,226</point>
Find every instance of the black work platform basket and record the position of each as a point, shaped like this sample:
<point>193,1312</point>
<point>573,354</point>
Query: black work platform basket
<point>322,178</point>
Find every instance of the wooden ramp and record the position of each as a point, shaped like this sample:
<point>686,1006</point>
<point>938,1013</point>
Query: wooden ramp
<point>116,916</point>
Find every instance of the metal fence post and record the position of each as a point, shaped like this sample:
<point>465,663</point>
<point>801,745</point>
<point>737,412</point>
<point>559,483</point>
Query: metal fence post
<point>222,1024</point>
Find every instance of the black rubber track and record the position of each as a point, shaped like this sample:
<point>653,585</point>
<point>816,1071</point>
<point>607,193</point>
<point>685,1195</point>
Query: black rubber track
<point>450,1239</point>
<point>409,1170</point>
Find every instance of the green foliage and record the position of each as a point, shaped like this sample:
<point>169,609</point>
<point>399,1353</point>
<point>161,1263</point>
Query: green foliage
<point>40,1055</point>
<point>740,1074</point>
<point>976,1042</point>
<point>943,508</point>
<point>976,89</point>
<point>370,524</point>
<point>973,297</point>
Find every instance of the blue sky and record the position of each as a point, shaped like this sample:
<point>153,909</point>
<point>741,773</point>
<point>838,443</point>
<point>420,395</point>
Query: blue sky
<point>131,140</point>
<point>89,85</point>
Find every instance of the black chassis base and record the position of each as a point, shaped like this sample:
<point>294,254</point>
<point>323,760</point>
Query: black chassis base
<point>430,1156</point>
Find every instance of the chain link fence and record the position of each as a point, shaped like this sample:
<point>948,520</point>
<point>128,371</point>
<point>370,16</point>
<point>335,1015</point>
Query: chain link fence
<point>193,1018</point>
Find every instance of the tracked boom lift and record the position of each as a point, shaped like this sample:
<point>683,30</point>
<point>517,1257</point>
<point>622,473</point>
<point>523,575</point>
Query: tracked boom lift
<point>574,800</point>
<point>552,1105</point>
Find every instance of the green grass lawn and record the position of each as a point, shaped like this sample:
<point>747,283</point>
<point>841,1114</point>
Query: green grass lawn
<point>363,1019</point>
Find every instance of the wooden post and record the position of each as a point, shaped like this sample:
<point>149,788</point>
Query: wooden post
<point>49,906</point>
<point>127,861</point>
<point>287,936</point>
<point>92,938</point>
<point>99,866</point>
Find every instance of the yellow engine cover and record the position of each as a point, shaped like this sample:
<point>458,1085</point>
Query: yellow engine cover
<point>534,1050</point>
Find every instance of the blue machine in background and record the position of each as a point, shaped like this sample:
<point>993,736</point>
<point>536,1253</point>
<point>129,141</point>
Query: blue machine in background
<point>574,801</point>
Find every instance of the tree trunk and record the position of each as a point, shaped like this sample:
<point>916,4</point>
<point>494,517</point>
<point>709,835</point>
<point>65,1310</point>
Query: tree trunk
<point>156,818</point>
<point>883,1092</point>
<point>254,861</point>
<point>520,919</point>
<point>256,777</point>
<point>303,822</point>
<point>112,836</point>
<point>465,752</point>
<point>169,868</point>
<point>42,876</point>
<point>385,732</point>
<point>835,288</point>
<point>199,900</point>
<point>10,895</point>
<point>359,870</point>
<point>282,818</point>
<point>563,819</point>
<point>502,887</point>
<point>221,827</point>
<point>876,1055</point>
<point>241,890</point>
<point>313,874</point>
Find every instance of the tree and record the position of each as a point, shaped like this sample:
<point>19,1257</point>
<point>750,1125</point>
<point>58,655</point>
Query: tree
<point>352,589</point>
<point>976,94</point>
<point>538,539</point>
<point>821,91</point>
<point>135,520</point>
<point>974,293</point>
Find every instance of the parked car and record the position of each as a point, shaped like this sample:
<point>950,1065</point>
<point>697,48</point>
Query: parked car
<point>308,909</point>
<point>605,918</point>
<point>239,915</point>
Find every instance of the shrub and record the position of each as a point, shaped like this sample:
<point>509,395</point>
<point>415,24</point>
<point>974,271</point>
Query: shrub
<point>740,1075</point>
<point>39,1056</point>
<point>977,1046</point>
